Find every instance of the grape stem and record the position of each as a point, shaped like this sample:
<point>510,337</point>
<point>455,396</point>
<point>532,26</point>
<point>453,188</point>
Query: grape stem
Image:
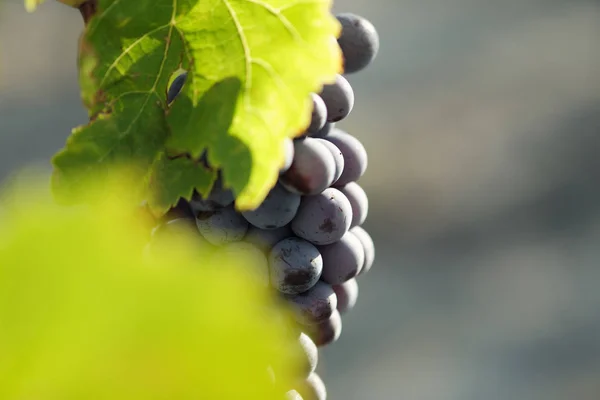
<point>88,10</point>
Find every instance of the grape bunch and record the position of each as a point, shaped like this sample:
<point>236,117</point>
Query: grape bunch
<point>305,239</point>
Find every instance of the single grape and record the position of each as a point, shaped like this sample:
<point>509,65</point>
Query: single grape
<point>338,158</point>
<point>312,170</point>
<point>324,131</point>
<point>326,332</point>
<point>254,261</point>
<point>219,197</point>
<point>311,354</point>
<point>359,202</point>
<point>221,226</point>
<point>277,210</point>
<point>355,156</point>
<point>313,388</point>
<point>323,218</point>
<point>339,99</point>
<point>176,87</point>
<point>319,114</point>
<point>314,305</point>
<point>293,395</point>
<point>288,145</point>
<point>359,42</point>
<point>368,247</point>
<point>342,260</point>
<point>295,266</point>
<point>265,239</point>
<point>347,294</point>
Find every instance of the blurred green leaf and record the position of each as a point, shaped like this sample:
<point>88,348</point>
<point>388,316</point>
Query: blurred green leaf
<point>85,315</point>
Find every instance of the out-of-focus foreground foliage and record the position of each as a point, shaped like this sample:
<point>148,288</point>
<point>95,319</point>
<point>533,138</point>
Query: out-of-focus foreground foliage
<point>85,315</point>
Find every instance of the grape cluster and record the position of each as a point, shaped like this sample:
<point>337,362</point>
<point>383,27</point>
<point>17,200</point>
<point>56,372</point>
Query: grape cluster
<point>306,237</point>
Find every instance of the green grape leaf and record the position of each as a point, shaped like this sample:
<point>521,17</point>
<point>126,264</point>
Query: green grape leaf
<point>251,67</point>
<point>278,51</point>
<point>112,138</point>
<point>181,175</point>
<point>99,311</point>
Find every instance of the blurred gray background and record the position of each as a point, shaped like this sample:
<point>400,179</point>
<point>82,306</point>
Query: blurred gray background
<point>482,121</point>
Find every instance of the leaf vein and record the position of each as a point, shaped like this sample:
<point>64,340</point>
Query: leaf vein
<point>128,49</point>
<point>247,54</point>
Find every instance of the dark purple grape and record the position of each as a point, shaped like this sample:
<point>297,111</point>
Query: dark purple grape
<point>312,170</point>
<point>342,260</point>
<point>338,158</point>
<point>359,202</point>
<point>359,42</point>
<point>323,218</point>
<point>326,332</point>
<point>295,266</point>
<point>277,210</point>
<point>222,226</point>
<point>355,156</point>
<point>339,99</point>
<point>368,247</point>
<point>347,294</point>
<point>314,305</point>
<point>319,114</point>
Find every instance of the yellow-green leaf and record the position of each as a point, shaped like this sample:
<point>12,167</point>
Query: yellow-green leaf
<point>278,51</point>
<point>86,314</point>
<point>252,65</point>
